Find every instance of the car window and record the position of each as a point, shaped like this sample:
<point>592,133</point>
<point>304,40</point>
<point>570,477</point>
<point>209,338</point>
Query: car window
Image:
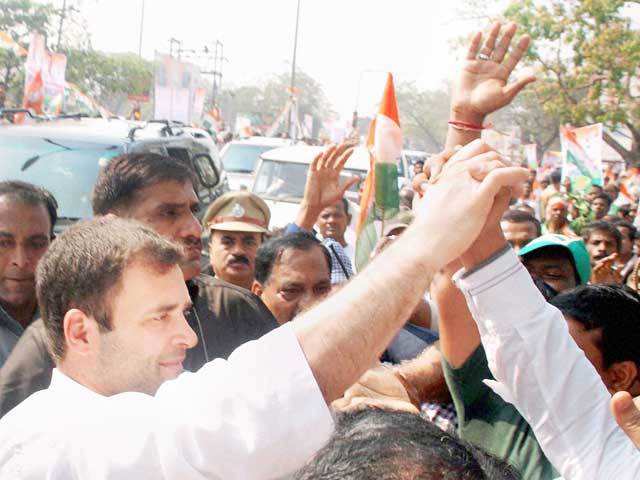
<point>241,158</point>
<point>286,180</point>
<point>67,170</point>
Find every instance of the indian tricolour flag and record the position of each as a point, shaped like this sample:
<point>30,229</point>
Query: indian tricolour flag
<point>582,155</point>
<point>380,197</point>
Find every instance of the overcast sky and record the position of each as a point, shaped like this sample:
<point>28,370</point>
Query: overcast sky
<point>338,40</point>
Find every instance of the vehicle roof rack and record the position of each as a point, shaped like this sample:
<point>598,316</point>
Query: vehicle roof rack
<point>13,111</point>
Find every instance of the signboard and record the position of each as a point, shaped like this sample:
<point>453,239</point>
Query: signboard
<point>176,92</point>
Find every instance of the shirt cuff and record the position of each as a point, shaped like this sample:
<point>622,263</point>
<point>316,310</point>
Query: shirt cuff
<point>501,289</point>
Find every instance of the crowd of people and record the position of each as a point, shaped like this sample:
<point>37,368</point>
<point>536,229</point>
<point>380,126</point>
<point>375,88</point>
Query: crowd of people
<point>494,333</point>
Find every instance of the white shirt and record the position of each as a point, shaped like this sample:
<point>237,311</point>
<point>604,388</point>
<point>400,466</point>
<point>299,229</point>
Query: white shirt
<point>542,372</point>
<point>259,415</point>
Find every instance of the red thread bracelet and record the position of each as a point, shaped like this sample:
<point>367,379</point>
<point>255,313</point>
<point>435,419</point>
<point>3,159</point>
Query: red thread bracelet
<point>469,126</point>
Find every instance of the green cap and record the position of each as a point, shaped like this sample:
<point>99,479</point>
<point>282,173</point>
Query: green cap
<point>575,246</point>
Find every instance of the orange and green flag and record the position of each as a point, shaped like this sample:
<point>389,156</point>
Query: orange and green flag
<point>380,197</point>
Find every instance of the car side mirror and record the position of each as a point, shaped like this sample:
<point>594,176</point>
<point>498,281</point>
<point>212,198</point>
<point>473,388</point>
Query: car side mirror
<point>206,170</point>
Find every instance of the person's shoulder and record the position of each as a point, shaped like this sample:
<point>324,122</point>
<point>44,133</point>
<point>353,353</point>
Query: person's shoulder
<point>213,284</point>
<point>225,295</point>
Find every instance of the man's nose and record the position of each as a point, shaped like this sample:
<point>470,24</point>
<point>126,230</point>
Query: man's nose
<point>20,257</point>
<point>191,228</point>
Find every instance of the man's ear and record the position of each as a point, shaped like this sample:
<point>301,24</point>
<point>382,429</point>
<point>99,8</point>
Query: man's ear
<point>256,288</point>
<point>80,332</point>
<point>622,375</point>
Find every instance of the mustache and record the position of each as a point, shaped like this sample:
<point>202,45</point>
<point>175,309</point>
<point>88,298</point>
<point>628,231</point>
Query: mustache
<point>239,259</point>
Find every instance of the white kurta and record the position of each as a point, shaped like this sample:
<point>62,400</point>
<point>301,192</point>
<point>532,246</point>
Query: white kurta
<point>542,372</point>
<point>259,415</point>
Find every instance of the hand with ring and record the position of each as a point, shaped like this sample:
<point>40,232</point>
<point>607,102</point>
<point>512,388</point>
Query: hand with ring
<point>482,87</point>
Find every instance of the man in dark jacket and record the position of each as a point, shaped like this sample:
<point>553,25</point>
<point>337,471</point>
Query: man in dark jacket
<point>159,192</point>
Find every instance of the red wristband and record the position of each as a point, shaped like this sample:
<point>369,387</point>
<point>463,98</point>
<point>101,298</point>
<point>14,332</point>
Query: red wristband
<point>468,126</point>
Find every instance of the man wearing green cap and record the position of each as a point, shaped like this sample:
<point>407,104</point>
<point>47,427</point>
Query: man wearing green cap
<point>557,263</point>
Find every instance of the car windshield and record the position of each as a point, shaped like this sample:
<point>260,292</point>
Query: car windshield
<point>286,180</point>
<point>241,158</point>
<point>67,169</point>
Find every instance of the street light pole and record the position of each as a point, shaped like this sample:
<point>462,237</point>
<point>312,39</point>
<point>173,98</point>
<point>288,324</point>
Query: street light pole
<point>141,30</point>
<point>63,13</point>
<point>293,63</point>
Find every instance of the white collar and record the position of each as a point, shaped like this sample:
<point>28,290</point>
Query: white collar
<point>62,383</point>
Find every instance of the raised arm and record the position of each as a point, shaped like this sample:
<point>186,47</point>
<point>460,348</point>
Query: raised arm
<point>346,334</point>
<point>323,188</point>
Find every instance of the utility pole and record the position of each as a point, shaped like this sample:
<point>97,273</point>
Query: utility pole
<point>141,30</point>
<point>293,66</point>
<point>63,14</point>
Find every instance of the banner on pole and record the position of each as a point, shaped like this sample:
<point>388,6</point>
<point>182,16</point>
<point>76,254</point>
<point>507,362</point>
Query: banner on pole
<point>178,93</point>
<point>582,156</point>
<point>44,78</point>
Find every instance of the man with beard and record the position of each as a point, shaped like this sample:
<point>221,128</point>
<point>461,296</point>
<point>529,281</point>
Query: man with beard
<point>238,222</point>
<point>159,192</point>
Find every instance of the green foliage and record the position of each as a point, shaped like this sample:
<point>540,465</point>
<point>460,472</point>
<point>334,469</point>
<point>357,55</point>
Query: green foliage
<point>102,75</point>
<point>585,216</point>
<point>423,115</point>
<point>265,102</point>
<point>588,55</point>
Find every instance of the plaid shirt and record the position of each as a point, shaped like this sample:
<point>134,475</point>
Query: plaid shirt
<point>341,268</point>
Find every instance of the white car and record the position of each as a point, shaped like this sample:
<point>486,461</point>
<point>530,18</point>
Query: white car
<point>240,158</point>
<point>281,176</point>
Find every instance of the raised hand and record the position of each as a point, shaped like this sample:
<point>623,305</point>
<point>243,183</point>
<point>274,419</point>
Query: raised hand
<point>482,87</point>
<point>323,187</point>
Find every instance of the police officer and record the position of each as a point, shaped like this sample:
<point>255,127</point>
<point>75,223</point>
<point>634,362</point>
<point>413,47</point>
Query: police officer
<point>237,222</point>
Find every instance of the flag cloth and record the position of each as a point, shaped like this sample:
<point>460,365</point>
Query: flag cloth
<point>582,156</point>
<point>380,196</point>
<point>8,43</point>
<point>34,94</point>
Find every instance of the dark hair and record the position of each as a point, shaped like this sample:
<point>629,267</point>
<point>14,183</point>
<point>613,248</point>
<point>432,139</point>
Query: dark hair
<point>271,251</point>
<point>519,216</point>
<point>345,205</point>
<point>556,176</point>
<point>30,194</point>
<point>613,308</point>
<point>85,263</point>
<point>602,196</point>
<point>622,223</point>
<point>376,444</point>
<point>419,162</point>
<point>124,176</point>
<point>602,226</point>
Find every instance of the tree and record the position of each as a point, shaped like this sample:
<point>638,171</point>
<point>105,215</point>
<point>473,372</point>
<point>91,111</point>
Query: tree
<point>265,102</point>
<point>423,115</point>
<point>19,18</point>
<point>589,55</point>
<point>104,76</point>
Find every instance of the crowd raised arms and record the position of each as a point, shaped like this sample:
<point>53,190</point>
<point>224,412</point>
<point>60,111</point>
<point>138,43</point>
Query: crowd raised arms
<point>126,353</point>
